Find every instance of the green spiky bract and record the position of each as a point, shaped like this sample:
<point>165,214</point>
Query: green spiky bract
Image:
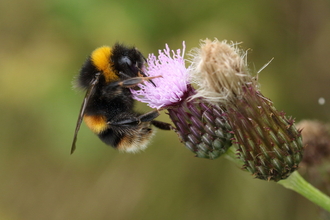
<point>201,126</point>
<point>268,143</point>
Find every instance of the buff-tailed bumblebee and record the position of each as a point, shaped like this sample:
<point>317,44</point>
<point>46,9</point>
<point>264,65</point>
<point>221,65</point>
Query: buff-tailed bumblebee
<point>107,109</point>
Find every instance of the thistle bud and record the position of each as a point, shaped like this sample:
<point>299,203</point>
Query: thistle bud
<point>268,143</point>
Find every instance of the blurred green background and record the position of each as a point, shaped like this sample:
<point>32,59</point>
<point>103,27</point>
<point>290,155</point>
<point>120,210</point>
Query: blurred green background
<point>43,44</point>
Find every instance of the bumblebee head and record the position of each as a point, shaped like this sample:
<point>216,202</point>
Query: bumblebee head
<point>118,62</point>
<point>127,61</point>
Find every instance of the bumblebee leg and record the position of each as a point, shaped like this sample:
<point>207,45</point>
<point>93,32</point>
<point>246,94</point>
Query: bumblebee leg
<point>134,81</point>
<point>141,74</point>
<point>125,122</point>
<point>115,88</point>
<point>131,120</point>
<point>128,121</point>
<point>162,125</point>
<point>150,116</point>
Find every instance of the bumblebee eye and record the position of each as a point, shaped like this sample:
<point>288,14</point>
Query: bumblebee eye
<point>125,60</point>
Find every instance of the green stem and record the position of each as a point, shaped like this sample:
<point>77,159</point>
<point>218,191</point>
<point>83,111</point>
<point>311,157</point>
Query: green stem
<point>294,182</point>
<point>298,184</point>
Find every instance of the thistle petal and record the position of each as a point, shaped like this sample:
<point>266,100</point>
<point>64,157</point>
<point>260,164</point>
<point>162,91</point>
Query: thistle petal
<point>171,87</point>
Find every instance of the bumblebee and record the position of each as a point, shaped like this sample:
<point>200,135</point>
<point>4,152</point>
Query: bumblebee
<point>107,109</point>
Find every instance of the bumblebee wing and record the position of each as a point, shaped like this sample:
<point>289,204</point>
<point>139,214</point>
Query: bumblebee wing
<point>89,92</point>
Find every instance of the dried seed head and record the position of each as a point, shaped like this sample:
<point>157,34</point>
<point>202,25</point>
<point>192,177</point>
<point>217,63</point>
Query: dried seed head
<point>220,70</point>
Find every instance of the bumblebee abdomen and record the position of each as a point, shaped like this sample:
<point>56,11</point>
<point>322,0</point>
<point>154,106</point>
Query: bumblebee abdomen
<point>97,123</point>
<point>138,141</point>
<point>129,139</point>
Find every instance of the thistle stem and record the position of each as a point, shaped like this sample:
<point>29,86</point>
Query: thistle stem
<point>298,184</point>
<point>294,182</point>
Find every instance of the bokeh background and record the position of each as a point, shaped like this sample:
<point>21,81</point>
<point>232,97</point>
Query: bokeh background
<point>43,44</point>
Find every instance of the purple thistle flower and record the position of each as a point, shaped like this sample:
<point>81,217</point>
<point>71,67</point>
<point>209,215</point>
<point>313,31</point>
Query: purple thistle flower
<point>171,87</point>
<point>199,124</point>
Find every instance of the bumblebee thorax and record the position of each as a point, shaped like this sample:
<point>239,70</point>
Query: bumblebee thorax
<point>101,60</point>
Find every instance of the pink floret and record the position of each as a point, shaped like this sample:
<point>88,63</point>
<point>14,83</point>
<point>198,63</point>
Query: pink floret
<point>172,84</point>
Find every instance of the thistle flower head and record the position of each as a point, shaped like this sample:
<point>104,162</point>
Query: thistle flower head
<point>170,88</point>
<point>199,124</point>
<point>219,69</point>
